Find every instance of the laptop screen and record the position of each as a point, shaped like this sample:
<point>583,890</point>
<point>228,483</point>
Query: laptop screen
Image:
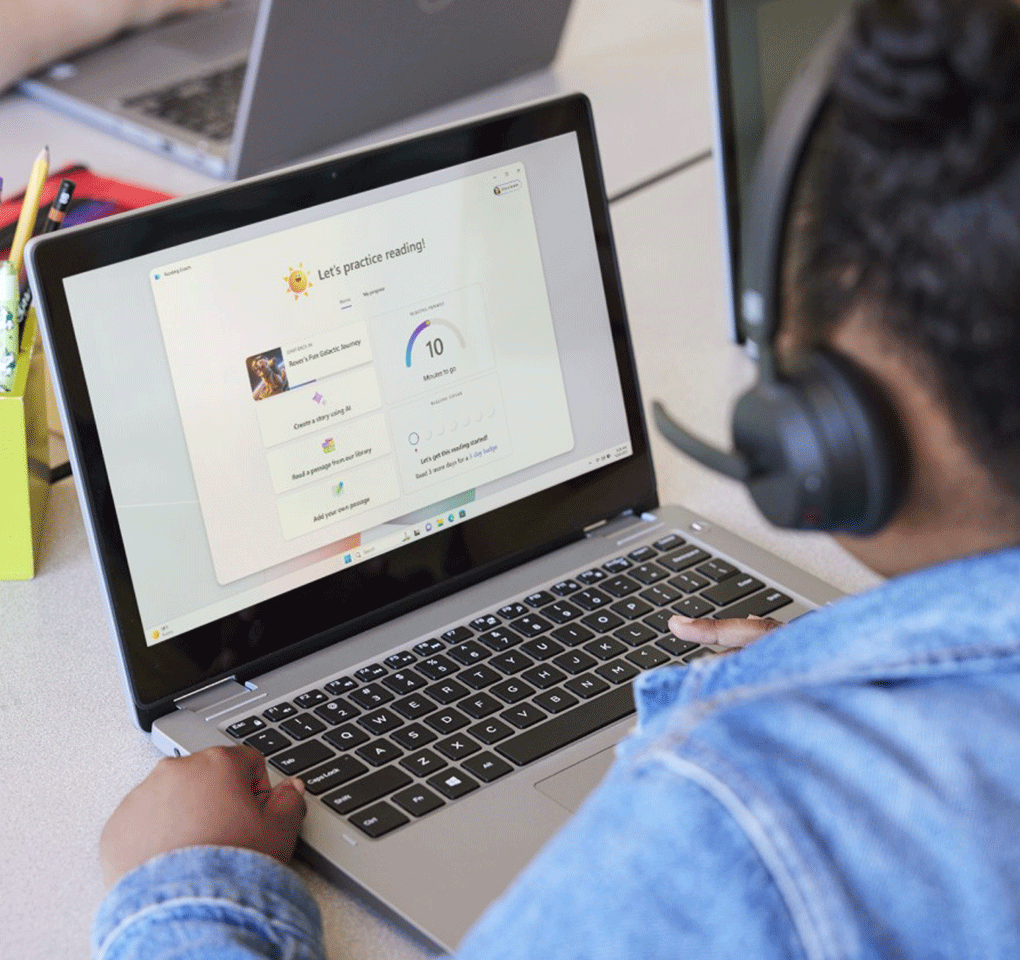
<point>364,398</point>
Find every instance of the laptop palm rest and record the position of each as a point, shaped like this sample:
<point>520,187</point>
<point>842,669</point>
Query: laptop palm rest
<point>569,788</point>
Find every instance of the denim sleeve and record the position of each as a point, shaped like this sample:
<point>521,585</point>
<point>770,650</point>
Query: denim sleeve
<point>208,902</point>
<point>654,866</point>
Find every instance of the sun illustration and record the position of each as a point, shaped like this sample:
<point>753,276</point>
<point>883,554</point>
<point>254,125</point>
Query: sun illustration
<point>297,280</point>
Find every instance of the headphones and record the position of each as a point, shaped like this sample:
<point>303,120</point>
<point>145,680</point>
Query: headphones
<point>819,448</point>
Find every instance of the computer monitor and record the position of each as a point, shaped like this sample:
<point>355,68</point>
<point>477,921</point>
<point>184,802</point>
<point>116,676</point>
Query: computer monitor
<point>756,47</point>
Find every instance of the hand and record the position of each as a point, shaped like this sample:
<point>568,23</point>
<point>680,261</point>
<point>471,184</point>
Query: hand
<point>732,634</point>
<point>221,796</point>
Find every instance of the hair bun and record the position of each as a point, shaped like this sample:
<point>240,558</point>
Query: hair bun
<point>939,80</point>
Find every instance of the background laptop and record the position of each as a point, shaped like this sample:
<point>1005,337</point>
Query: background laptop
<point>362,460</point>
<point>254,85</point>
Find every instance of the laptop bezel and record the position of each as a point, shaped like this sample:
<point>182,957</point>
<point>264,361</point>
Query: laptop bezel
<point>501,539</point>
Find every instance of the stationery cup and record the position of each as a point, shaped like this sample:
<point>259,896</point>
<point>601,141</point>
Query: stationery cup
<point>24,460</point>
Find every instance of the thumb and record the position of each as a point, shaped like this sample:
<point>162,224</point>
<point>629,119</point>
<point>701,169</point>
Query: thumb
<point>285,809</point>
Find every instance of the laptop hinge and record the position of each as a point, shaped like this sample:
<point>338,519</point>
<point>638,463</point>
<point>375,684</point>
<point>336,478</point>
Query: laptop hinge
<point>611,525</point>
<point>217,698</point>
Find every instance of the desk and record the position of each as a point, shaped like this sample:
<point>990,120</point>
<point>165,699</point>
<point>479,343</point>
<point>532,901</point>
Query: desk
<point>68,749</point>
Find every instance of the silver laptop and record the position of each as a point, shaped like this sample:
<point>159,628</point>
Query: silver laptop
<point>255,85</point>
<point>362,458</point>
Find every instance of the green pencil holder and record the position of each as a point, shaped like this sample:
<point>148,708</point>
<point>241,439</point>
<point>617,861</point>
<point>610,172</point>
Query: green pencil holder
<point>24,460</point>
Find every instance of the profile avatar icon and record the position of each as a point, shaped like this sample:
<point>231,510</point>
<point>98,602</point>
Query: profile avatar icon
<point>297,281</point>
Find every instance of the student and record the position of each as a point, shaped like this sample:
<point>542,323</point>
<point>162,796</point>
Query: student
<point>848,785</point>
<point>37,32</point>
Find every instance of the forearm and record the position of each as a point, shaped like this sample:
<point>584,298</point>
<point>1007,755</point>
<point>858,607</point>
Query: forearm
<point>208,902</point>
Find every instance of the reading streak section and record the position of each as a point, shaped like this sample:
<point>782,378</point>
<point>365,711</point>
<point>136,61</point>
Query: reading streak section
<point>344,373</point>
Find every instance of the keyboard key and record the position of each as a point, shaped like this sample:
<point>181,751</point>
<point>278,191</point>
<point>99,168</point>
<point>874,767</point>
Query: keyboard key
<point>647,657</point>
<point>512,610</point>
<point>397,661</point>
<point>404,681</point>
<point>566,587</point>
<point>512,691</point>
<point>557,732</point>
<point>374,671</point>
<point>452,784</point>
<point>487,622</point>
<point>697,654</point>
<point>605,648</point>
<point>620,586</point>
<point>457,634</point>
<point>556,701</point>
<point>675,646</point>
<point>587,685</point>
<point>733,589</point>
<point>301,757</point>
<point>487,767</point>
<point>541,649</point>
<point>524,715</point>
<point>478,678</point>
<point>759,605</point>
<point>417,800</point>
<point>346,737</point>
<point>343,685</point>
<point>683,559</point>
<point>379,752</point>
<point>414,706</point>
<point>717,570</point>
<point>561,612</point>
<point>539,599</point>
<point>468,652</point>
<point>246,727</point>
<point>435,668</point>
<point>619,671</point>
<point>592,576</point>
<point>642,554</point>
<point>375,785</point>
<point>502,638</point>
<point>491,731</point>
<point>429,648</point>
<point>332,774</point>
<point>631,608</point>
<point>447,691</point>
<point>531,625</point>
<point>279,711</point>
<point>617,565</point>
<point>661,594</point>
<point>457,747</point>
<point>648,573</point>
<point>480,705</point>
<point>669,542</point>
<point>693,607</point>
<point>413,736</point>
<point>658,621</point>
<point>447,721</point>
<point>575,661</point>
<point>543,676</point>
<point>380,721</point>
<point>573,634</point>
<point>302,726</point>
<point>336,711</point>
<point>591,599</point>
<point>267,742</point>
<point>602,621</point>
<point>634,634</point>
<point>423,762</point>
<point>378,820</point>
<point>370,696</point>
<point>513,661</point>
<point>689,581</point>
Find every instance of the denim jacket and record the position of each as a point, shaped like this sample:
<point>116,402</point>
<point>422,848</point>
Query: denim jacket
<point>846,787</point>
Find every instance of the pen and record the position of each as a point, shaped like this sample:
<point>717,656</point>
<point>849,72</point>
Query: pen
<point>8,325</point>
<point>54,219</point>
<point>29,208</point>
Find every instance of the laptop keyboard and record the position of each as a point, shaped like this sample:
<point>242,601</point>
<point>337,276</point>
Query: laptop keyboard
<point>204,105</point>
<point>389,742</point>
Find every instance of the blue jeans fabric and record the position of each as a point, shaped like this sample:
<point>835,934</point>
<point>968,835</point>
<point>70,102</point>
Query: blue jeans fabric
<point>846,787</point>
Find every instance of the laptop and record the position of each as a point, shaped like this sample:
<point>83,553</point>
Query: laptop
<point>254,85</point>
<point>363,464</point>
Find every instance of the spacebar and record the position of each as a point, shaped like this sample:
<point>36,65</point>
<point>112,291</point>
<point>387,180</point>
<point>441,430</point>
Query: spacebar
<point>564,729</point>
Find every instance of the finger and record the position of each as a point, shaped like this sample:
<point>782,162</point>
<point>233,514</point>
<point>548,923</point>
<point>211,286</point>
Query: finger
<point>286,809</point>
<point>732,633</point>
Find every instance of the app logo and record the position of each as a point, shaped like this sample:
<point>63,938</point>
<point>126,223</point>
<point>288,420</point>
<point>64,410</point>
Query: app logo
<point>428,527</point>
<point>439,521</point>
<point>451,518</point>
<point>347,558</point>
<point>156,276</point>
<point>463,514</point>
<point>297,281</point>
<point>318,397</point>
<point>338,489</point>
<point>328,445</point>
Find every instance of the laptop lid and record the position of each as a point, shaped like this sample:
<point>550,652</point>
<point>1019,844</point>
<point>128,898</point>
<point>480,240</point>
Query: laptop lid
<point>303,405</point>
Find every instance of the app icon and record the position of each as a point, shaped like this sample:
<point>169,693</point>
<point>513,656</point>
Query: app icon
<point>338,489</point>
<point>428,527</point>
<point>451,518</point>
<point>439,521</point>
<point>347,558</point>
<point>297,281</point>
<point>328,445</point>
<point>463,514</point>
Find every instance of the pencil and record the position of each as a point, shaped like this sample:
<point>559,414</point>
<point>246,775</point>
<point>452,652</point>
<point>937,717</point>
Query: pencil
<point>29,208</point>
<point>54,219</point>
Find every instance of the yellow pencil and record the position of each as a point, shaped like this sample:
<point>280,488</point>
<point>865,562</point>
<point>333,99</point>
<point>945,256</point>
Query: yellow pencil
<point>29,207</point>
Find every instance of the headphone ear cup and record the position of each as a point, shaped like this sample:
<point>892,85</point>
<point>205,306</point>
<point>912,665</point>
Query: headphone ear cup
<point>825,448</point>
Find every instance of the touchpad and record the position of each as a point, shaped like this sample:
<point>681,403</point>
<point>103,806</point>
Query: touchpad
<point>570,787</point>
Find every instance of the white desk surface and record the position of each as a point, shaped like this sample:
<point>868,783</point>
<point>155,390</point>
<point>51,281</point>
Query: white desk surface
<point>68,749</point>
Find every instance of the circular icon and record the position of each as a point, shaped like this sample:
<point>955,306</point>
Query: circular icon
<point>413,439</point>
